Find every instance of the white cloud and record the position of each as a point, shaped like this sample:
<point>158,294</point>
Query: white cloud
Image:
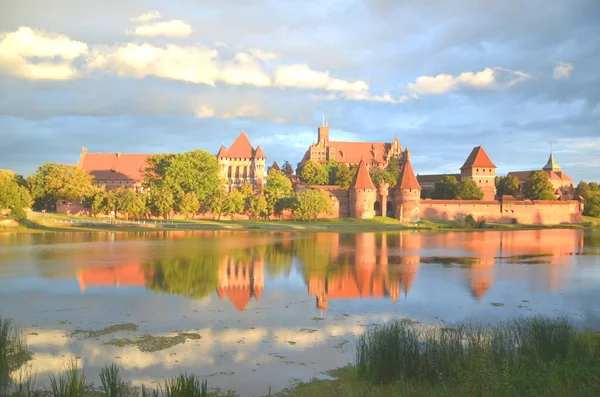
<point>490,78</point>
<point>173,28</point>
<point>242,111</point>
<point>36,55</point>
<point>384,98</point>
<point>301,76</point>
<point>562,70</point>
<point>147,17</point>
<point>205,112</point>
<point>263,55</point>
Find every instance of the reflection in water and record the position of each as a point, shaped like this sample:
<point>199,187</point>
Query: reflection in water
<point>333,265</point>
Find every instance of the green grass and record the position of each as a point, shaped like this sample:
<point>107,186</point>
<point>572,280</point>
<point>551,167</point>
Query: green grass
<point>71,383</point>
<point>13,355</point>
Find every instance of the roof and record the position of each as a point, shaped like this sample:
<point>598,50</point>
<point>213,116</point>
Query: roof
<point>115,166</point>
<point>432,178</point>
<point>241,148</point>
<point>353,152</point>
<point>478,158</point>
<point>554,175</point>
<point>222,152</point>
<point>407,179</point>
<point>551,165</point>
<point>275,166</point>
<point>362,179</point>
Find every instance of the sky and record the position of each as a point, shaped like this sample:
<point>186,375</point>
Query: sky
<point>518,77</point>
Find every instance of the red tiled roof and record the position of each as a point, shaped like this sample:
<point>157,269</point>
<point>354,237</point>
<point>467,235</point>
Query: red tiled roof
<point>554,175</point>
<point>275,166</point>
<point>478,158</point>
<point>222,152</point>
<point>407,179</point>
<point>241,148</point>
<point>259,153</point>
<point>362,179</point>
<point>352,152</point>
<point>115,166</point>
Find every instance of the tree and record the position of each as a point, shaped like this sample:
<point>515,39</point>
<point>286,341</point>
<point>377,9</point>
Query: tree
<point>393,168</point>
<point>594,187</point>
<point>311,203</point>
<point>189,205</point>
<point>216,204</point>
<point>467,189</point>
<point>592,204</point>
<point>277,187</point>
<point>342,175</point>
<point>380,175</point>
<point>234,203</point>
<point>581,190</point>
<point>14,194</point>
<point>127,202</point>
<point>445,189</point>
<point>196,171</point>
<point>52,182</point>
<point>538,186</point>
<point>162,202</point>
<point>287,203</point>
<point>258,207</point>
<point>313,173</point>
<point>507,185</point>
<point>247,191</point>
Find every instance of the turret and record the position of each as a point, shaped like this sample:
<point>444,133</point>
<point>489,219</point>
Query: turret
<point>407,195</point>
<point>362,194</point>
<point>482,171</point>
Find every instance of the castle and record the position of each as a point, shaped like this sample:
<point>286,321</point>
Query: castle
<point>243,163</point>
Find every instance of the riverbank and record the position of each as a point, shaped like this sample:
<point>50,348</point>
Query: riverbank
<point>60,223</point>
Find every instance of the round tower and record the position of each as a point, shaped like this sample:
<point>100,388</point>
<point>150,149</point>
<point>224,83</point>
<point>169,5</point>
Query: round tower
<point>407,196</point>
<point>362,194</point>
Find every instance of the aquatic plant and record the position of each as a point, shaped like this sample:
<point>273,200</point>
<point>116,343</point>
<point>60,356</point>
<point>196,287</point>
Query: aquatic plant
<point>70,383</point>
<point>13,354</point>
<point>186,386</point>
<point>112,384</point>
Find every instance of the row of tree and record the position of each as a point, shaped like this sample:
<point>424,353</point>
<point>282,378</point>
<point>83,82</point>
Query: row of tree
<point>449,188</point>
<point>341,174</point>
<point>185,183</point>
<point>591,195</point>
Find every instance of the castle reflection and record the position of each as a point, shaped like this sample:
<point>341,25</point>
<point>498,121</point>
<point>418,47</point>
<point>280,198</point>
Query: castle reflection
<point>341,266</point>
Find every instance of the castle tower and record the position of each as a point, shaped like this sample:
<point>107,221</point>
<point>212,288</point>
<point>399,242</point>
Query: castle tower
<point>551,165</point>
<point>323,134</point>
<point>362,194</point>
<point>482,171</point>
<point>241,163</point>
<point>407,196</point>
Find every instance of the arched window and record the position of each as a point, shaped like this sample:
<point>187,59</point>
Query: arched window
<point>229,172</point>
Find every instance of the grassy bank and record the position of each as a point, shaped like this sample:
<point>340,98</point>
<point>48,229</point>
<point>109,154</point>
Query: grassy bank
<point>63,223</point>
<point>523,357</point>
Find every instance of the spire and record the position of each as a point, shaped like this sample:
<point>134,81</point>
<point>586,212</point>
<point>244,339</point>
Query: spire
<point>551,165</point>
<point>478,158</point>
<point>259,153</point>
<point>362,179</point>
<point>275,166</point>
<point>407,179</point>
<point>222,152</point>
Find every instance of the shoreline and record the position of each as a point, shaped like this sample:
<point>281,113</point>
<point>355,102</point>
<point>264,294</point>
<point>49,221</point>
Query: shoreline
<point>61,224</point>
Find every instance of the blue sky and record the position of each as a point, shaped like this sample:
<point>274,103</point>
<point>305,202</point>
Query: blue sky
<point>148,77</point>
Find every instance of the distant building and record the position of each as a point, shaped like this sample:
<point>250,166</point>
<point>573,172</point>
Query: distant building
<point>114,170</point>
<point>242,163</point>
<point>241,280</point>
<point>561,182</point>
<point>374,154</point>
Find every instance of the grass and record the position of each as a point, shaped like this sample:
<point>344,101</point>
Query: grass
<point>13,354</point>
<point>71,383</point>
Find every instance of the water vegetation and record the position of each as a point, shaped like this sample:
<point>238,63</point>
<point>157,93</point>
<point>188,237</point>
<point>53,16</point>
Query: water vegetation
<point>150,343</point>
<point>105,331</point>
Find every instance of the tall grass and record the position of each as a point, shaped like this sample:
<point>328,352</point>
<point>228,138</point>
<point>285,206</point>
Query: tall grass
<point>112,384</point>
<point>471,355</point>
<point>13,354</point>
<point>71,383</point>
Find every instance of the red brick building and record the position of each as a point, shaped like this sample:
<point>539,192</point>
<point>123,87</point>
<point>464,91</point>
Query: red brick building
<point>561,182</point>
<point>242,163</point>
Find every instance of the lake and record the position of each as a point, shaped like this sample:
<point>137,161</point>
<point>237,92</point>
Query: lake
<point>253,309</point>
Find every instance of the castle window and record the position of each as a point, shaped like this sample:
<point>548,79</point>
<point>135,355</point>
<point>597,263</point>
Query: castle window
<point>477,169</point>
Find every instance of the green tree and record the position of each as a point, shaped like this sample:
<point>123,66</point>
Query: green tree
<point>234,203</point>
<point>581,190</point>
<point>538,186</point>
<point>258,207</point>
<point>127,202</point>
<point>467,189</point>
<point>311,203</point>
<point>507,185</point>
<point>162,202</point>
<point>592,204</point>
<point>445,189</point>
<point>285,204</point>
<point>196,171</point>
<point>247,191</point>
<point>277,187</point>
<point>314,173</point>
<point>393,168</point>
<point>216,204</point>
<point>52,182</point>
<point>380,175</point>
<point>14,194</point>
<point>594,187</point>
<point>341,175</point>
<point>189,205</point>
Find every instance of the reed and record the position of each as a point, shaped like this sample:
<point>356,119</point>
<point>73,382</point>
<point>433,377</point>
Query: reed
<point>13,354</point>
<point>112,384</point>
<point>71,383</point>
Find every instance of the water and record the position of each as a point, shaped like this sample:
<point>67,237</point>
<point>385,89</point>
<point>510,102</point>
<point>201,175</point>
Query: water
<point>270,307</point>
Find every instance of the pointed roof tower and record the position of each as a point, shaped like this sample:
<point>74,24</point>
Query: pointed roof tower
<point>241,148</point>
<point>551,165</point>
<point>407,179</point>
<point>478,158</point>
<point>275,166</point>
<point>258,154</point>
<point>222,152</point>
<point>362,179</point>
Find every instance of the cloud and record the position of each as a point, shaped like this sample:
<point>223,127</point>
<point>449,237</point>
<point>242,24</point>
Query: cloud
<point>36,55</point>
<point>146,17</point>
<point>562,70</point>
<point>489,78</point>
<point>263,55</point>
<point>205,112</point>
<point>302,76</point>
<point>243,111</point>
<point>173,28</point>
